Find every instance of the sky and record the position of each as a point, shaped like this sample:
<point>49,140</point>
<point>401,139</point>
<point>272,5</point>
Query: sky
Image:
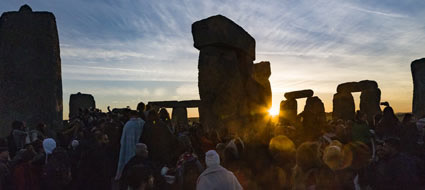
<point>126,51</point>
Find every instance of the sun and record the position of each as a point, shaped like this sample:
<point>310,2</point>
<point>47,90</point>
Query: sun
<point>273,111</point>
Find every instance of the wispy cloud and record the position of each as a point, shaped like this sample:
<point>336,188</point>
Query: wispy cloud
<point>310,44</point>
<point>379,12</point>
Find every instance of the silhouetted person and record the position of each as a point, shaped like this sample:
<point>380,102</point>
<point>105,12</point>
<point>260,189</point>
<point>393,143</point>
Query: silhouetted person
<point>360,129</point>
<point>188,167</point>
<point>215,176</point>
<point>396,170</point>
<point>160,141</point>
<point>57,171</point>
<point>141,107</point>
<point>130,137</point>
<point>140,159</point>
<point>17,137</point>
<point>25,176</point>
<point>389,125</point>
<point>164,116</point>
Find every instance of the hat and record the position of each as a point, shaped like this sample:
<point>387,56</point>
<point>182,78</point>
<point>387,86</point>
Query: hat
<point>212,158</point>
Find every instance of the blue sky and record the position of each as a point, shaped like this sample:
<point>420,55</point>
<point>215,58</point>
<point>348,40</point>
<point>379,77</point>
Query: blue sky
<point>126,51</point>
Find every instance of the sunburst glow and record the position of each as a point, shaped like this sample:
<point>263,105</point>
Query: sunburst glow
<point>273,111</point>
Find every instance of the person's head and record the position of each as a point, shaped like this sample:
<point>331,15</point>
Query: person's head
<point>142,150</point>
<point>49,145</point>
<point>152,115</point>
<point>391,147</point>
<point>357,155</point>
<point>141,107</point>
<point>186,143</point>
<point>27,155</point>
<point>139,177</point>
<point>41,127</point>
<point>164,115</point>
<point>308,156</point>
<point>388,113</point>
<point>133,114</point>
<point>148,107</point>
<point>283,150</point>
<point>212,158</point>
<point>18,125</point>
<point>408,118</point>
<point>333,156</point>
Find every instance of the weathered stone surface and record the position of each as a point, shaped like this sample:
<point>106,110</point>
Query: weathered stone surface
<point>314,117</point>
<point>368,84</point>
<point>262,72</point>
<point>343,106</point>
<point>370,100</point>
<point>80,101</point>
<point>348,87</point>
<point>258,87</point>
<point>418,75</point>
<point>234,92</point>
<point>288,111</point>
<point>299,94</point>
<point>179,116</point>
<point>221,31</point>
<point>221,87</point>
<point>30,69</point>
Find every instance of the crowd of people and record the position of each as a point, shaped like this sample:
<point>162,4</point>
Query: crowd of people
<point>143,149</point>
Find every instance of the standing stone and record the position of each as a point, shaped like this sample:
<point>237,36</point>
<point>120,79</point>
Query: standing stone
<point>418,75</point>
<point>343,106</point>
<point>314,117</point>
<point>30,69</point>
<point>80,101</point>
<point>370,100</point>
<point>232,89</point>
<point>261,74</point>
<point>288,111</point>
<point>179,116</point>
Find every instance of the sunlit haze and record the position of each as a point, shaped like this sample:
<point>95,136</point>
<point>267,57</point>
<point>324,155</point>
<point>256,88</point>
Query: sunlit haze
<point>124,52</point>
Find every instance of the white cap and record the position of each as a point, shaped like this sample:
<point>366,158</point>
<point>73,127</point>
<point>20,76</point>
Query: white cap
<point>212,158</point>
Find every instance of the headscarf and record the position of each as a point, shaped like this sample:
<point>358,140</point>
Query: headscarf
<point>212,158</point>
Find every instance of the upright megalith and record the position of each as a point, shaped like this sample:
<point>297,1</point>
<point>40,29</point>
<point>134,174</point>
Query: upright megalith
<point>418,75</point>
<point>370,99</point>
<point>288,111</point>
<point>343,101</point>
<point>179,117</point>
<point>288,108</point>
<point>233,90</point>
<point>79,102</point>
<point>313,117</point>
<point>30,69</point>
<point>343,106</point>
